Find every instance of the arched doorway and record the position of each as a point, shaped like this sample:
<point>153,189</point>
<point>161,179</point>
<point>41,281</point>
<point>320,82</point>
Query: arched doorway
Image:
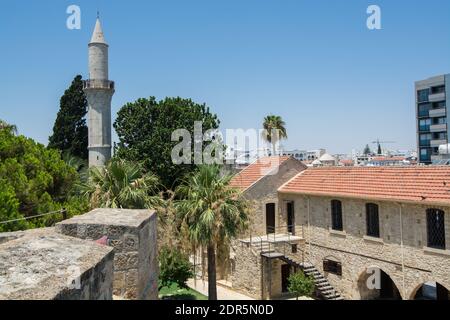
<point>375,284</point>
<point>431,291</point>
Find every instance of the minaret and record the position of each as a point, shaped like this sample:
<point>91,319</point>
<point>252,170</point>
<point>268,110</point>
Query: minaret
<point>99,91</point>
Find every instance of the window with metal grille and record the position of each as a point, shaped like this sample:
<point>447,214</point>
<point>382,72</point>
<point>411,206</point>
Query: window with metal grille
<point>336,215</point>
<point>331,266</point>
<point>436,228</point>
<point>373,223</point>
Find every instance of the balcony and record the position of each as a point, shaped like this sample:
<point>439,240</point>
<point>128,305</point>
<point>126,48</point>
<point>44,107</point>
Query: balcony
<point>436,97</point>
<point>437,112</point>
<point>438,128</point>
<point>435,158</point>
<point>437,143</point>
<point>98,84</point>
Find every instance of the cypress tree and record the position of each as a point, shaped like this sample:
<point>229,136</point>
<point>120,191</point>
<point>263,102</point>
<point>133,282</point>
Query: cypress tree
<point>70,132</point>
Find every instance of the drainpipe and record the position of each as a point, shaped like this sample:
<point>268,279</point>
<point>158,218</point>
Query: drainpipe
<point>309,229</point>
<point>401,248</point>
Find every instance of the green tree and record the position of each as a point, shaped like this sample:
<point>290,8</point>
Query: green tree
<point>9,127</point>
<point>379,151</point>
<point>38,178</point>
<point>274,130</point>
<point>120,184</point>
<point>367,150</point>
<point>145,129</point>
<point>9,209</point>
<point>70,132</point>
<point>212,213</point>
<point>174,267</point>
<point>301,285</point>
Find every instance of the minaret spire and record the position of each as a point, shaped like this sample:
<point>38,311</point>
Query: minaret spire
<point>97,35</point>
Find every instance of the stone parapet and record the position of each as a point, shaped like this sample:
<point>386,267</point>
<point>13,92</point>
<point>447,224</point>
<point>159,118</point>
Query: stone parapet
<point>42,264</point>
<point>132,233</point>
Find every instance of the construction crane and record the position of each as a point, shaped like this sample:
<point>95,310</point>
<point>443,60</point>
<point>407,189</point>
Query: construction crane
<point>378,143</point>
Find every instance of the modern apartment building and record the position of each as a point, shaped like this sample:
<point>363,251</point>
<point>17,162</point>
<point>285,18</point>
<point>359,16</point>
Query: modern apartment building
<point>432,101</point>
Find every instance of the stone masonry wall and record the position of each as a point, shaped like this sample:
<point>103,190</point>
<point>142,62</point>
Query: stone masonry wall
<point>246,277</point>
<point>42,264</point>
<point>132,233</point>
<point>265,191</point>
<point>409,267</point>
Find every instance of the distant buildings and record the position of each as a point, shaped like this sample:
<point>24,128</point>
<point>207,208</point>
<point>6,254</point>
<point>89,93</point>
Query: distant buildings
<point>431,113</point>
<point>305,155</point>
<point>381,161</point>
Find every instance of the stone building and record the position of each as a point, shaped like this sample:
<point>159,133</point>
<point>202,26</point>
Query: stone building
<point>374,233</point>
<point>259,183</point>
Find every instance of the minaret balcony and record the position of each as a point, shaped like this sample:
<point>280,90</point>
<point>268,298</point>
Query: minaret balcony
<point>98,84</point>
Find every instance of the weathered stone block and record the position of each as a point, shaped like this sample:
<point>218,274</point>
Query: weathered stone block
<point>132,233</point>
<point>42,264</point>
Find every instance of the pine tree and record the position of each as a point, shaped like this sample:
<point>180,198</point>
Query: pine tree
<point>367,150</point>
<point>380,152</point>
<point>70,132</point>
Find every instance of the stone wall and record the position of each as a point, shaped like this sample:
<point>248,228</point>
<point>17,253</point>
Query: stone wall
<point>256,276</point>
<point>265,191</point>
<point>250,274</point>
<point>42,264</point>
<point>246,276</point>
<point>133,234</point>
<point>409,266</point>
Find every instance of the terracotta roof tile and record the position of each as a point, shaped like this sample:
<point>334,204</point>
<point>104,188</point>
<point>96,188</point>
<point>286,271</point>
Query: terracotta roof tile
<point>416,184</point>
<point>255,171</point>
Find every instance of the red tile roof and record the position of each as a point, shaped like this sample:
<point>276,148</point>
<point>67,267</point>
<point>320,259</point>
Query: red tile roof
<point>388,158</point>
<point>409,184</point>
<point>255,171</point>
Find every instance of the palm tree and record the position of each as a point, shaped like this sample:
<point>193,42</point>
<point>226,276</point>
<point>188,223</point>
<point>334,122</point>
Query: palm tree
<point>121,184</point>
<point>212,213</point>
<point>6,126</point>
<point>274,130</point>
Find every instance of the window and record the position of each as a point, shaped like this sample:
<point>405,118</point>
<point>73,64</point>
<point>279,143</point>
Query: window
<point>336,215</point>
<point>424,109</point>
<point>294,248</point>
<point>425,139</point>
<point>439,105</point>
<point>422,95</point>
<point>373,223</point>
<point>436,228</point>
<point>332,267</point>
<point>440,136</point>
<point>438,89</point>
<point>424,124</point>
<point>441,120</point>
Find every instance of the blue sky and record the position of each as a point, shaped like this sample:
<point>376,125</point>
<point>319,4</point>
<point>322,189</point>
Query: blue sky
<point>337,84</point>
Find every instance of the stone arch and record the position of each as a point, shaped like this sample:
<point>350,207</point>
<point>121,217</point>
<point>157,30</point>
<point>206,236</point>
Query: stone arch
<point>374,283</point>
<point>442,291</point>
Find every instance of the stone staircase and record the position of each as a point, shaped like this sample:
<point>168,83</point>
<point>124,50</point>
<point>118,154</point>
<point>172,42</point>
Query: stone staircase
<point>324,288</point>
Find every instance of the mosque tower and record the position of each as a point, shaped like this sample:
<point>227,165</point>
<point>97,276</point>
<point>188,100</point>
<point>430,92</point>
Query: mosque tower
<point>99,91</point>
